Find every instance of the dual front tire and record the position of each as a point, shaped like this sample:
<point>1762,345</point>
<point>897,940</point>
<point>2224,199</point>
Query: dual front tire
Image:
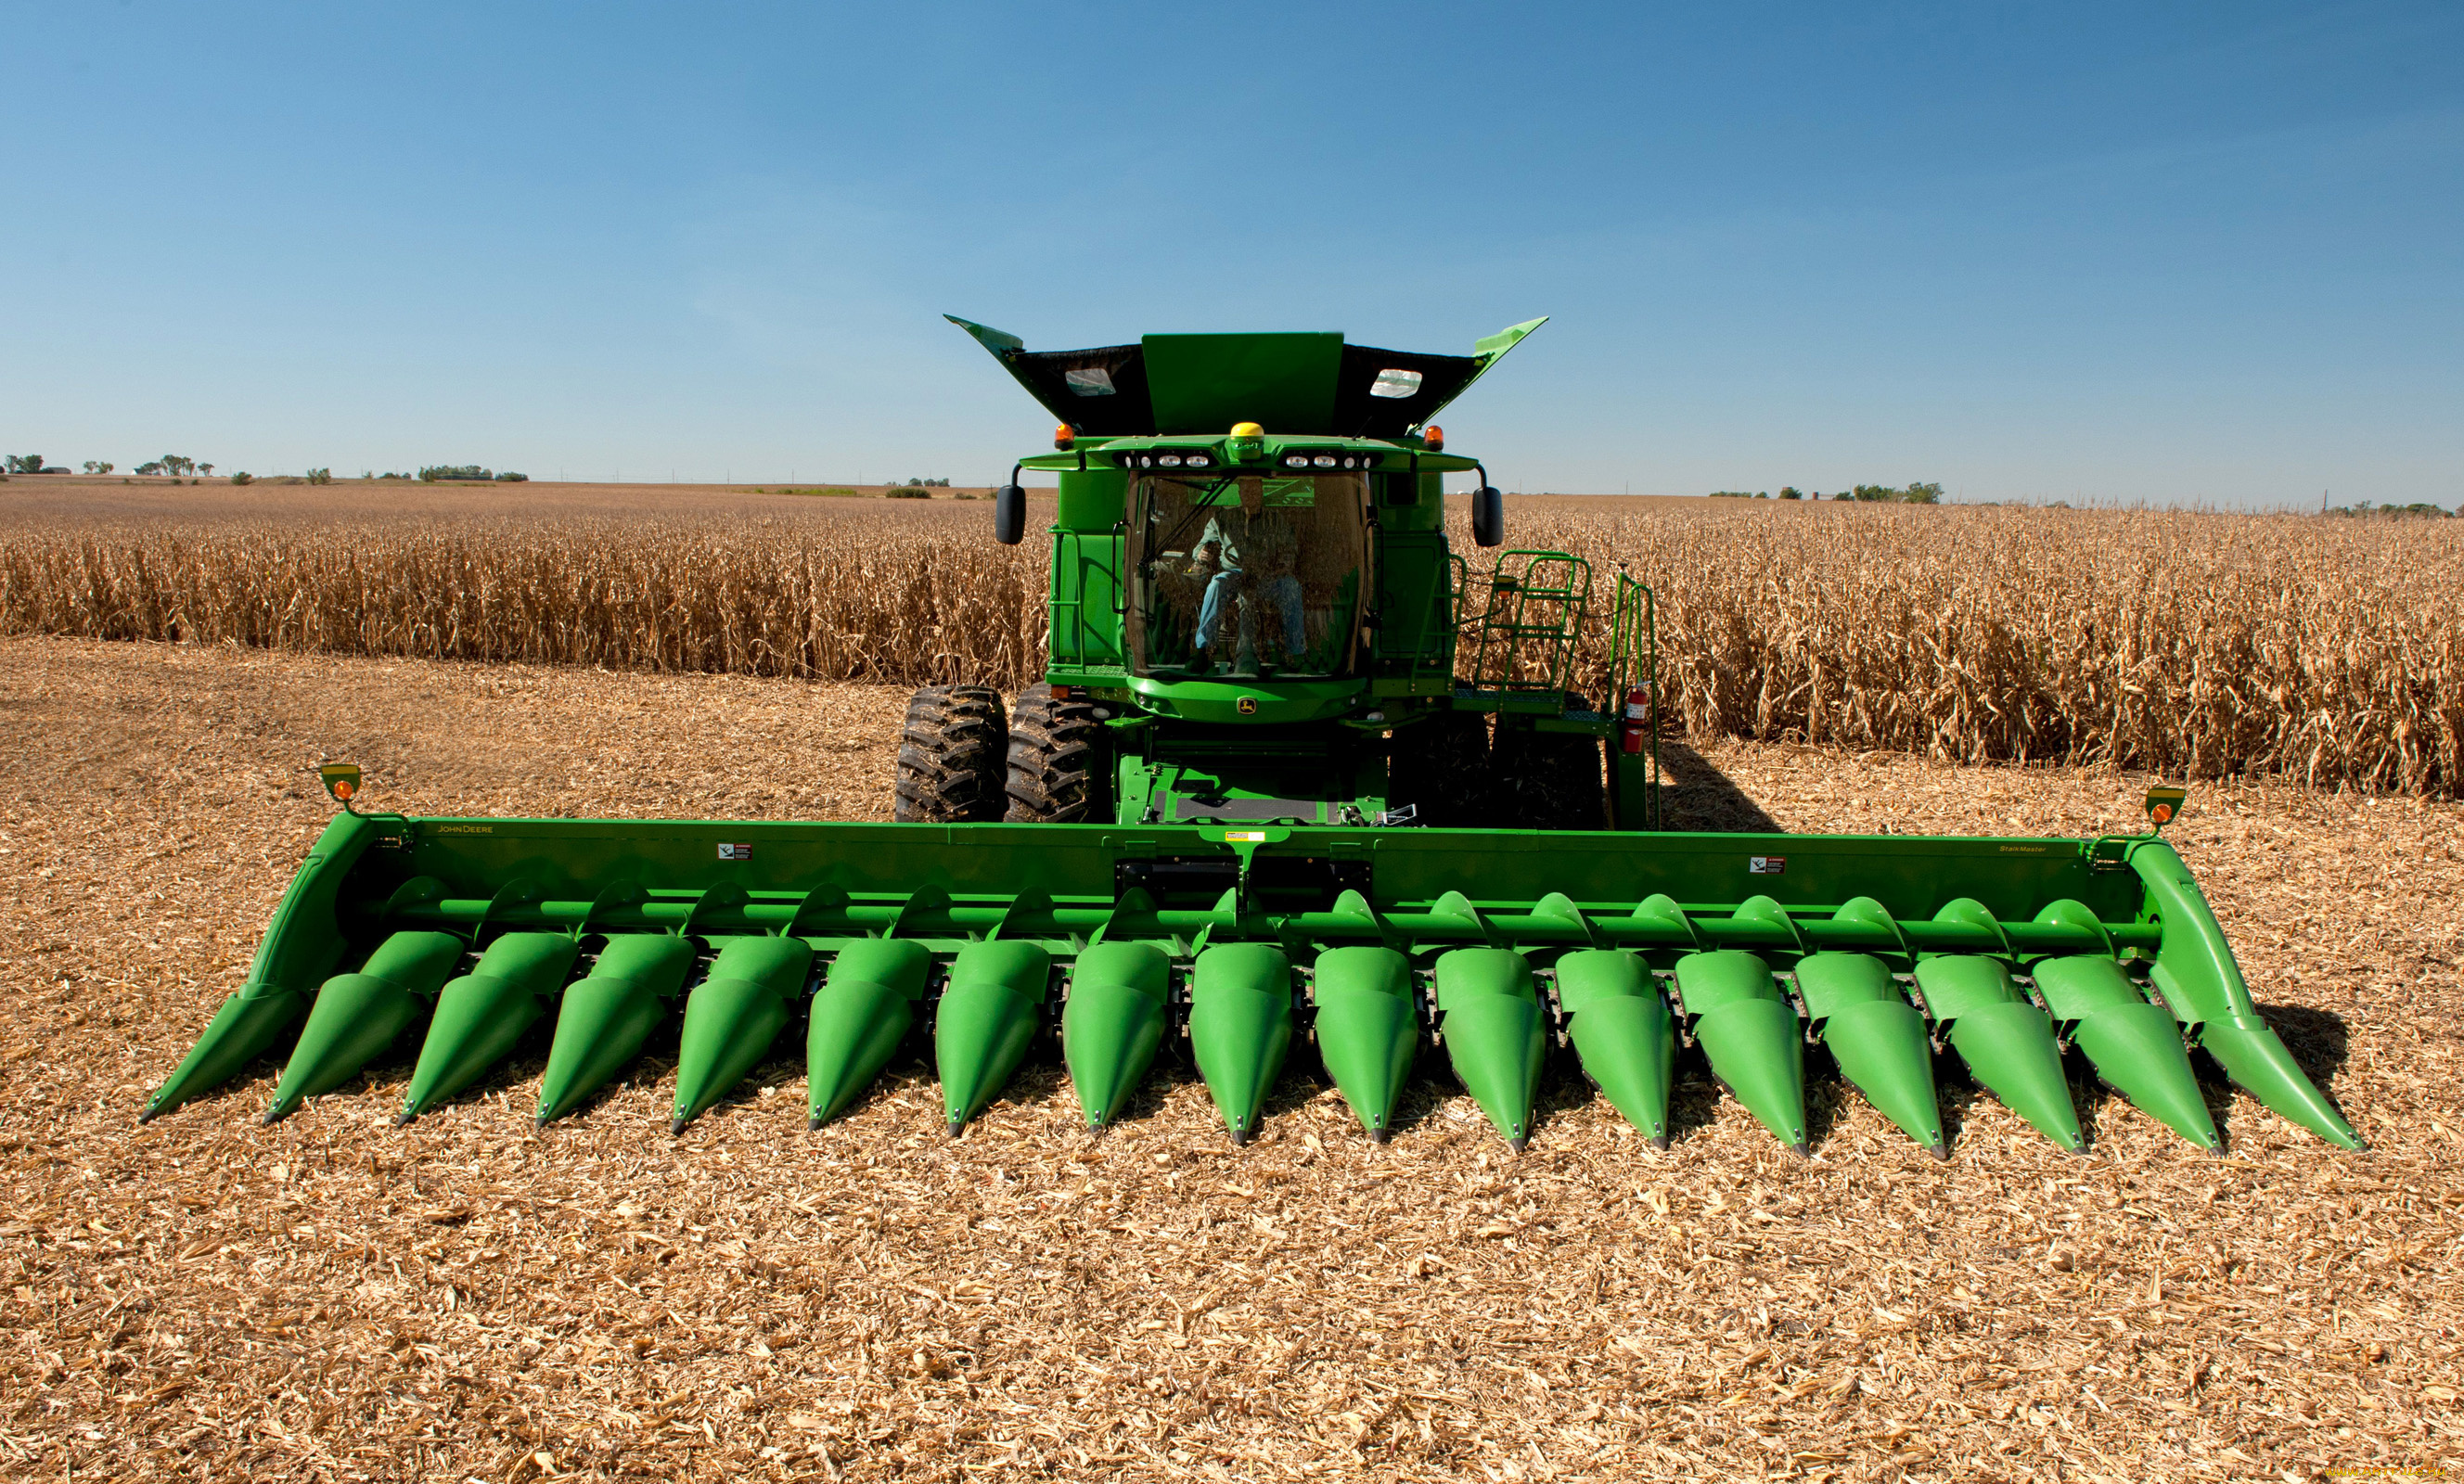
<point>962,761</point>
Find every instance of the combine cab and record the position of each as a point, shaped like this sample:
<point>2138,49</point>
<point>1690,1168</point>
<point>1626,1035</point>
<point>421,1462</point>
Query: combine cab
<point>1297,779</point>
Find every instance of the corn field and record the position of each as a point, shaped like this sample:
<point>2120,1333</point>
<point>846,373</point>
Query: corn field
<point>2197,645</point>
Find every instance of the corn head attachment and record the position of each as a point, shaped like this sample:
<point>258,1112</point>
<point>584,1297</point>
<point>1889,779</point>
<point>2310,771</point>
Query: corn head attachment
<point>466,941</point>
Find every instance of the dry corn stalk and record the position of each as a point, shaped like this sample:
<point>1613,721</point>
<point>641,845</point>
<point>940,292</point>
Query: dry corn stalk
<point>2187,643</point>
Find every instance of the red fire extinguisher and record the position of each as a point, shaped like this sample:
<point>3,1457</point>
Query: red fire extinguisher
<point>1638,716</point>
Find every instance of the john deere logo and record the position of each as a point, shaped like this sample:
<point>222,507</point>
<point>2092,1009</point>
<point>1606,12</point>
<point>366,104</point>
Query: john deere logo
<point>1248,706</point>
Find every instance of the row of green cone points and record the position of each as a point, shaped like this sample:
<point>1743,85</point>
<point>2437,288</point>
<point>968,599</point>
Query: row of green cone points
<point>1489,1009</point>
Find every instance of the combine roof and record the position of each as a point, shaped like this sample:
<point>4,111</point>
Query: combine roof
<point>1308,382</point>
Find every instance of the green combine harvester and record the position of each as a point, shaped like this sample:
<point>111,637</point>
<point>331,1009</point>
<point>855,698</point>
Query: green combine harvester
<point>1297,778</point>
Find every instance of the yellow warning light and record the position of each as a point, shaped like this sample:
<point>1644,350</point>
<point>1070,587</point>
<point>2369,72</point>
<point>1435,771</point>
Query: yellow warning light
<point>1247,430</point>
<point>1064,436</point>
<point>1435,437</point>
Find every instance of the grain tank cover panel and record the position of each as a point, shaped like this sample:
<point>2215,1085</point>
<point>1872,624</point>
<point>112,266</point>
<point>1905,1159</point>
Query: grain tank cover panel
<point>1363,407</point>
<point>1291,383</point>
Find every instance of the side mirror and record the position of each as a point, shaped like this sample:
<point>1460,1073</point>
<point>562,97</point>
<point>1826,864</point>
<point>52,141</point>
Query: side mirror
<point>1009,515</point>
<point>1487,515</point>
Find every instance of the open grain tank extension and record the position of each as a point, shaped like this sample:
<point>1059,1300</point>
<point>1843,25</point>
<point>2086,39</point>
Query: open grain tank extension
<point>1299,781</point>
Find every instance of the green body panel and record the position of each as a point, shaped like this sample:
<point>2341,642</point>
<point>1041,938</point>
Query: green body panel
<point>1240,1027</point>
<point>480,1016</point>
<point>865,1008</point>
<point>1092,502</point>
<point>733,1017</point>
<point>989,1017</point>
<point>1367,1032</point>
<point>607,1015</point>
<point>1205,384</point>
<point>1749,1032</point>
<point>1113,1022</point>
<point>357,1016</point>
<point>1220,701</point>
<point>2007,1042</point>
<point>1623,1031</point>
<point>1490,1023</point>
<point>1086,632</point>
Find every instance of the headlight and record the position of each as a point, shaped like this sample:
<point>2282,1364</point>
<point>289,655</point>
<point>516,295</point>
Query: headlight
<point>1169,460</point>
<point>1296,461</point>
<point>1323,461</point>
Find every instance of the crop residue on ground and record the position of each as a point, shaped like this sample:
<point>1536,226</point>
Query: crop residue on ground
<point>336,1298</point>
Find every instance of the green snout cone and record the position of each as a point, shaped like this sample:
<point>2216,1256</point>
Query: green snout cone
<point>1488,1015</point>
<point>986,1021</point>
<point>2259,1064</point>
<point>2135,1047</point>
<point>1622,1034</point>
<point>357,1016</point>
<point>606,1016</point>
<point>863,1011</point>
<point>1113,1023</point>
<point>2007,1042</point>
<point>1750,1034</point>
<point>1240,1027</point>
<point>1367,1035</point>
<point>1878,1039</point>
<point>733,1017</point>
<point>480,1016</point>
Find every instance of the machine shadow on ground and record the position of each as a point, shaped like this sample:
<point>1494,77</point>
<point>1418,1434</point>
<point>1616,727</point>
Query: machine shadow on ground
<point>1696,796</point>
<point>2319,1040</point>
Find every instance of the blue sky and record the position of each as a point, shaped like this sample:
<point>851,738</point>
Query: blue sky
<point>2102,252</point>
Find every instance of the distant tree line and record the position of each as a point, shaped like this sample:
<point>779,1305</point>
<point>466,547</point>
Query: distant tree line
<point>435,472</point>
<point>2365,507</point>
<point>1909,494</point>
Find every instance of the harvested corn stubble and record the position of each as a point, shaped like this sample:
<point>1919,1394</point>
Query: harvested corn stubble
<point>468,1296</point>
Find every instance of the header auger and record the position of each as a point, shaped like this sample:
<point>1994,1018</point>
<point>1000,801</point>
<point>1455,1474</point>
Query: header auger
<point>1298,781</point>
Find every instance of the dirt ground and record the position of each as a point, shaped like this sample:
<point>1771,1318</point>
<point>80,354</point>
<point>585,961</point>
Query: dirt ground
<point>334,1297</point>
<point>82,501</point>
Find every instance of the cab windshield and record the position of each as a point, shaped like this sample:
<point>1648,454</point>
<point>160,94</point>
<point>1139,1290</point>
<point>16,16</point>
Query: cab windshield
<point>1249,575</point>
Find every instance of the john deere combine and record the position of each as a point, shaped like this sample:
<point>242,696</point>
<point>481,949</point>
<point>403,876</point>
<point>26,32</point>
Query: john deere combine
<point>1297,779</point>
